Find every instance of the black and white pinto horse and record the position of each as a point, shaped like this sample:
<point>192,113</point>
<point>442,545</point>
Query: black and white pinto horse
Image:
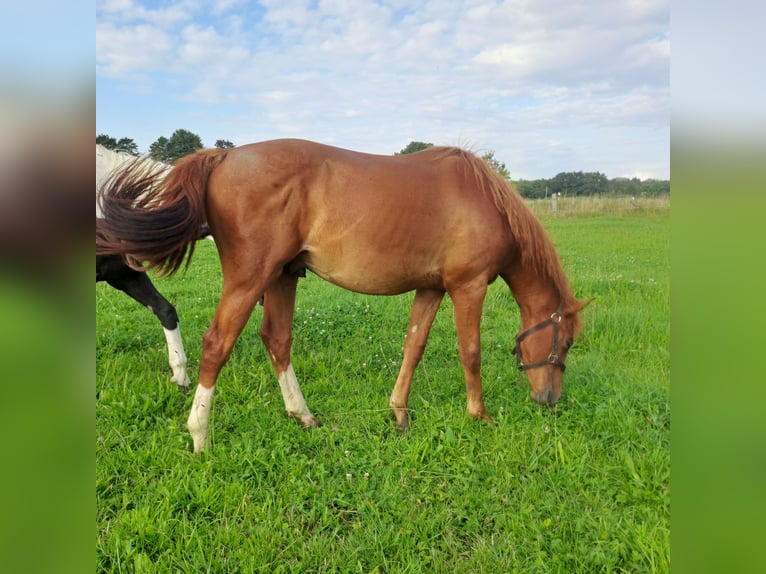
<point>137,284</point>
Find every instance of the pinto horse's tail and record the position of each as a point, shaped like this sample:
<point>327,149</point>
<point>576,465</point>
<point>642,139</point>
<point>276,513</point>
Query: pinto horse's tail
<point>153,216</point>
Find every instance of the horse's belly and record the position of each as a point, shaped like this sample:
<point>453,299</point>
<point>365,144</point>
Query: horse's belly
<point>373,276</point>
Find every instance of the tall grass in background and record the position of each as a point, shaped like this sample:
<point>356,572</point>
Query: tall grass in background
<point>582,487</point>
<point>599,205</point>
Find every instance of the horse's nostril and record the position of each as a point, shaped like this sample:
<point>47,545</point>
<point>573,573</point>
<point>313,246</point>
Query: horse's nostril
<point>543,397</point>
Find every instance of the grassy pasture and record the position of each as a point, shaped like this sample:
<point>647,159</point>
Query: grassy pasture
<point>583,487</point>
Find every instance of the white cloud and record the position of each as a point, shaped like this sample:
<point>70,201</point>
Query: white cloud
<point>123,52</point>
<point>373,74</point>
<point>223,6</point>
<point>133,11</point>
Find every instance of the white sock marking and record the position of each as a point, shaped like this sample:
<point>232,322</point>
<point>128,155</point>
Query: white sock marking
<point>177,356</point>
<point>295,404</point>
<point>199,417</point>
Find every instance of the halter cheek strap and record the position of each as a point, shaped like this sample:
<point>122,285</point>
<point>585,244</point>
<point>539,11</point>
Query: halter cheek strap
<point>553,358</point>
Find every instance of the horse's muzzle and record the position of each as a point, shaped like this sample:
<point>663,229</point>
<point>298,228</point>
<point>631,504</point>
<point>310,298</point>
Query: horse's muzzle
<point>546,397</point>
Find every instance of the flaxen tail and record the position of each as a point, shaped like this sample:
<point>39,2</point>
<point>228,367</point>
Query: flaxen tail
<point>153,216</point>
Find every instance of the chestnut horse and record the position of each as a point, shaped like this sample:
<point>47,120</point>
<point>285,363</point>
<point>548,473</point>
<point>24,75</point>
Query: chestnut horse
<point>438,221</point>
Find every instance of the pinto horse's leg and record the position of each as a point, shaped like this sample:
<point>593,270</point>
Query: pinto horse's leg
<point>234,309</point>
<point>276,334</point>
<point>468,302</point>
<point>424,309</point>
<point>137,285</point>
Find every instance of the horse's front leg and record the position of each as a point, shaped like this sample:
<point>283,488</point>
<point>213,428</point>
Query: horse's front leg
<point>424,309</point>
<point>276,334</point>
<point>468,302</point>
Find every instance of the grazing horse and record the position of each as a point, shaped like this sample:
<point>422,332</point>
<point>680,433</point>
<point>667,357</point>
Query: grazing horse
<point>438,221</point>
<point>136,283</point>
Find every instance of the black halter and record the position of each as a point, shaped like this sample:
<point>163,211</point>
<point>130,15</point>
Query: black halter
<point>553,358</point>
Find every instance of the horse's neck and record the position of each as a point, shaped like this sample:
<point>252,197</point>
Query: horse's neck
<point>537,297</point>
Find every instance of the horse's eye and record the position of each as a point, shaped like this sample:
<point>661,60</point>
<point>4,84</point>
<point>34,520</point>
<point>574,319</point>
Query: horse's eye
<point>568,343</point>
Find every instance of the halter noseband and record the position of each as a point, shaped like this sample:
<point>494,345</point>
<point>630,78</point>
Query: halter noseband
<point>553,358</point>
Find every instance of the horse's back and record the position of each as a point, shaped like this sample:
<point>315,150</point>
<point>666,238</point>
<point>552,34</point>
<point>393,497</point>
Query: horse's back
<point>371,223</point>
<point>351,184</point>
<point>107,161</point>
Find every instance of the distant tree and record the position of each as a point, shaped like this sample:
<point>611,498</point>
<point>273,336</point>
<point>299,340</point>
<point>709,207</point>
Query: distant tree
<point>223,144</point>
<point>158,149</point>
<point>413,147</point>
<point>655,187</point>
<point>564,183</point>
<point>496,165</point>
<point>635,187</point>
<point>574,183</point>
<point>122,144</point>
<point>128,145</point>
<point>181,143</point>
<point>625,186</point>
<point>107,141</point>
<point>533,189</point>
<point>595,183</point>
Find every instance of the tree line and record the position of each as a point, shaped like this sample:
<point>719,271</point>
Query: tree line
<point>565,184</point>
<point>578,183</point>
<point>166,149</point>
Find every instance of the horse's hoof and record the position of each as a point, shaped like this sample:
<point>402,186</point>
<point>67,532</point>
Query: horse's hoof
<point>401,417</point>
<point>483,417</point>
<point>310,422</point>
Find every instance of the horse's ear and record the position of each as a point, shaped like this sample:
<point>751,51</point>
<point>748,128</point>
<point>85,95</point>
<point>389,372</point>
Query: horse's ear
<point>577,307</point>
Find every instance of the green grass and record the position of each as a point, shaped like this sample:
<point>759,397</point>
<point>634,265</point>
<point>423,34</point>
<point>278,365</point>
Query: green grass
<point>583,487</point>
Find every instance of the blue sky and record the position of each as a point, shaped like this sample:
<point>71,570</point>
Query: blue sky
<point>549,86</point>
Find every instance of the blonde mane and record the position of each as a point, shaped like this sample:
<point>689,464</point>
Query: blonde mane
<point>109,163</point>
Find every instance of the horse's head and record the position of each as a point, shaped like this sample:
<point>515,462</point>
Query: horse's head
<point>541,352</point>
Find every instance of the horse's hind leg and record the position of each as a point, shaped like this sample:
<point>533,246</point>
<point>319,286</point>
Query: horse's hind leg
<point>468,302</point>
<point>234,309</point>
<point>276,334</point>
<point>137,285</point>
<point>424,309</point>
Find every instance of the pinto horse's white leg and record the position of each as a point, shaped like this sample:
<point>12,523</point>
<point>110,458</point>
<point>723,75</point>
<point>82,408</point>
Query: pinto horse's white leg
<point>137,285</point>
<point>177,358</point>
<point>199,417</point>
